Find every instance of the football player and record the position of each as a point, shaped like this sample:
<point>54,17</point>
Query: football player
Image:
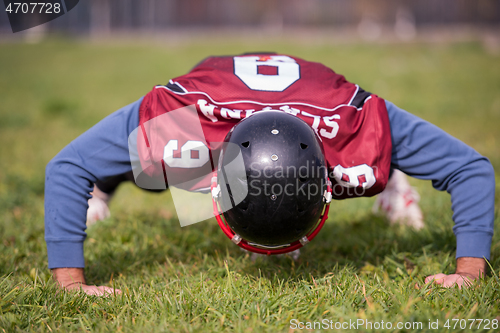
<point>273,138</point>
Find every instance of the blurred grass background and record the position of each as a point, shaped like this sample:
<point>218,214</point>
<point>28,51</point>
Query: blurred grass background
<point>194,279</point>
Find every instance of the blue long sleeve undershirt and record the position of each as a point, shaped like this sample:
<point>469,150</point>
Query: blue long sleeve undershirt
<point>420,149</point>
<point>424,151</point>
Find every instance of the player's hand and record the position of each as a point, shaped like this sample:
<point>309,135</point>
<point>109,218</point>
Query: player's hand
<point>468,270</point>
<point>450,280</point>
<point>73,279</point>
<point>94,290</point>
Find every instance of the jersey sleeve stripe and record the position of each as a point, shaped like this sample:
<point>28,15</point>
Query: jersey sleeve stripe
<point>359,98</point>
<point>175,87</point>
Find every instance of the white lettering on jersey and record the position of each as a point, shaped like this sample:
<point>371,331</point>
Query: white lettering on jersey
<point>193,154</point>
<point>207,110</point>
<point>228,113</point>
<point>330,123</point>
<point>290,110</point>
<point>356,176</point>
<point>213,113</point>
<point>247,69</point>
<point>316,120</point>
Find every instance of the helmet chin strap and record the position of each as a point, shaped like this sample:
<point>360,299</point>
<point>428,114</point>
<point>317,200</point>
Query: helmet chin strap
<point>262,249</point>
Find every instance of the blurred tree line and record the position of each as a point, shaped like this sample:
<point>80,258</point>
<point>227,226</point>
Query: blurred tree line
<point>107,16</point>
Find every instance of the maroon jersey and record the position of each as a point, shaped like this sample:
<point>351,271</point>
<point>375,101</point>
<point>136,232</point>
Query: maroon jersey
<point>198,109</point>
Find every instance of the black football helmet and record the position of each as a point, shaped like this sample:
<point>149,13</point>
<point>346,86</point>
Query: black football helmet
<point>272,206</point>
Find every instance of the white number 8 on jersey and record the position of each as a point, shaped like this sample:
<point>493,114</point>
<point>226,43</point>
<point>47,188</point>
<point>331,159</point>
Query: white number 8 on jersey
<point>356,176</point>
<point>186,159</point>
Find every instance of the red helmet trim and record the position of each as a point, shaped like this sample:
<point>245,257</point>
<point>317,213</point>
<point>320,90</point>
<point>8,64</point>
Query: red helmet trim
<point>245,245</point>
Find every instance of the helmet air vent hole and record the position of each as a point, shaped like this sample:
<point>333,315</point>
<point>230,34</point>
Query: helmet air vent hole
<point>275,131</point>
<point>273,197</point>
<point>246,144</point>
<point>302,179</point>
<point>303,146</point>
<point>274,157</point>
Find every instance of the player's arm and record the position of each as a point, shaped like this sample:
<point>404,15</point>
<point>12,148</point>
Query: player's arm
<point>424,151</point>
<point>99,153</point>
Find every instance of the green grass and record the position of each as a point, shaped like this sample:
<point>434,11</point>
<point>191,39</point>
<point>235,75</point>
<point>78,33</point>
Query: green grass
<point>193,279</point>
